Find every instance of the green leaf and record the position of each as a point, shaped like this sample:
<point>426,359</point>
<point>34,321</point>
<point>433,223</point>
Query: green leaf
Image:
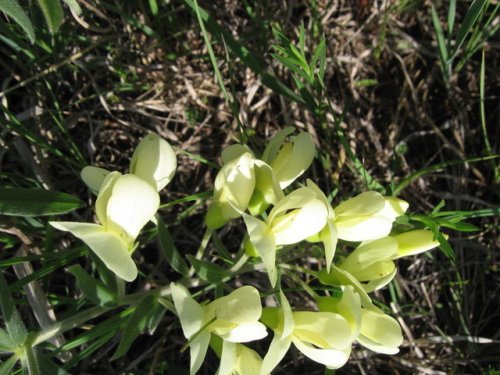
<point>93,289</point>
<point>442,47</point>
<point>36,202</point>
<point>169,249</point>
<point>468,22</point>
<point>462,227</point>
<point>75,7</point>
<point>47,366</point>
<point>7,365</point>
<point>6,343</point>
<point>53,13</point>
<point>12,9</point>
<point>155,317</point>
<point>208,271</point>
<point>30,361</point>
<point>137,323</point>
<point>15,326</point>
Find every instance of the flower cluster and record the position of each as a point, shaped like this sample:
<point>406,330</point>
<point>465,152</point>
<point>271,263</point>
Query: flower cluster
<point>258,190</point>
<point>254,189</point>
<point>125,203</point>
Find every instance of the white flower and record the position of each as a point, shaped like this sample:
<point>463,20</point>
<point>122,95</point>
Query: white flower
<point>234,318</point>
<point>124,205</point>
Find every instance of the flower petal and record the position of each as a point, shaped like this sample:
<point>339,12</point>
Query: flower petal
<point>415,242</point>
<point>367,203</point>
<point>362,228</point>
<point>248,361</point>
<point>287,316</point>
<point>275,353</point>
<point>329,237</point>
<point>198,350</point>
<point>154,161</point>
<point>393,208</point>
<point>234,152</point>
<point>332,358</point>
<point>380,332</point>
<point>267,188</point>
<point>240,306</point>
<point>275,144</point>
<point>370,252</point>
<point>101,204</point>
<point>190,313</point>
<point>94,177</point>
<point>110,248</point>
<point>301,223</point>
<point>263,241</point>
<point>228,358</point>
<point>323,329</point>
<point>132,204</point>
<point>246,332</point>
<point>291,162</point>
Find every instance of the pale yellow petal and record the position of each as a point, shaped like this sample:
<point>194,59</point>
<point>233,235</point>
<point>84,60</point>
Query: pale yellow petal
<point>132,204</point>
<point>228,358</point>
<point>234,152</point>
<point>393,208</point>
<point>198,350</point>
<point>362,228</point>
<point>329,237</point>
<point>369,253</point>
<point>101,204</point>
<point>375,271</point>
<point>293,161</point>
<point>154,161</point>
<point>322,329</point>
<point>190,313</point>
<point>94,177</point>
<point>263,241</point>
<point>246,332</point>
<point>286,316</point>
<point>380,332</point>
<point>275,144</point>
<point>275,353</point>
<point>415,242</point>
<point>301,223</point>
<point>110,248</point>
<point>248,361</point>
<point>240,306</point>
<point>379,283</point>
<point>367,203</point>
<point>331,358</point>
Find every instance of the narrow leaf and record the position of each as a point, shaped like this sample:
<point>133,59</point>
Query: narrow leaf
<point>169,249</point>
<point>470,18</point>
<point>52,12</point>
<point>7,365</point>
<point>12,9</point>
<point>47,366</point>
<point>442,48</point>
<point>93,289</point>
<point>6,343</point>
<point>208,271</point>
<point>15,326</point>
<point>136,324</point>
<point>36,202</point>
<point>75,7</point>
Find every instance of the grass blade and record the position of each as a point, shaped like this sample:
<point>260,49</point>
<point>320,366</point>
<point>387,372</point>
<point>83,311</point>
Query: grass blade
<point>13,322</point>
<point>169,249</point>
<point>436,167</point>
<point>36,202</point>
<point>12,9</point>
<point>468,22</point>
<point>442,48</point>
<point>53,13</point>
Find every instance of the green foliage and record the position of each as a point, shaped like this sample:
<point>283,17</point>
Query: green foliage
<point>36,202</point>
<point>477,26</point>
<point>12,9</point>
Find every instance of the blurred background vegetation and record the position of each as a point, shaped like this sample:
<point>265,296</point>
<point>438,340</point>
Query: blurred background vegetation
<point>407,102</point>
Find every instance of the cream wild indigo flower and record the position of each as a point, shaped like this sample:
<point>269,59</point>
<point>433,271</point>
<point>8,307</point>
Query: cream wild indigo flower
<point>289,160</point>
<point>324,337</point>
<point>367,216</point>
<point>153,160</point>
<point>124,205</point>
<point>294,218</point>
<point>371,327</point>
<point>234,318</point>
<point>372,261</point>
<point>237,359</point>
